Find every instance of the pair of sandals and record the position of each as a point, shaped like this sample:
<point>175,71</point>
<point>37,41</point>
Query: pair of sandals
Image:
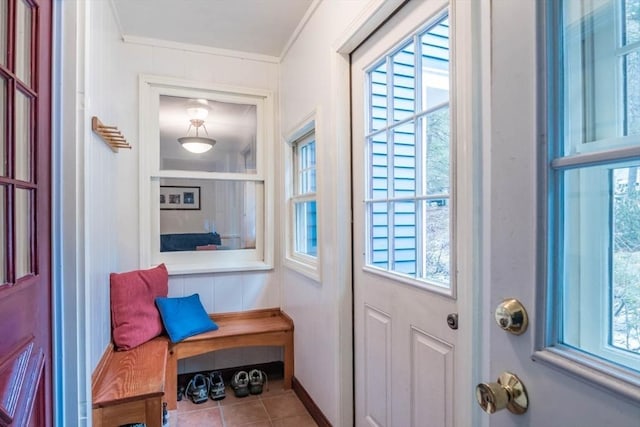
<point>200,388</point>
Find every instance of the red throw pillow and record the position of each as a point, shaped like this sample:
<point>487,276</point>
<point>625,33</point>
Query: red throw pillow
<point>134,316</point>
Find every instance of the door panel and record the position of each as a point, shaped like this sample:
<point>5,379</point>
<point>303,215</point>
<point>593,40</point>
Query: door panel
<point>377,366</point>
<point>514,200</point>
<point>23,232</point>
<point>23,41</point>
<point>25,248</point>
<point>432,366</point>
<point>23,137</point>
<point>405,239</point>
<point>3,126</point>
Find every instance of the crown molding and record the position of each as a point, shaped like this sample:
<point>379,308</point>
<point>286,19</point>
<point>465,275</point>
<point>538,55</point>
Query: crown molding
<point>200,49</point>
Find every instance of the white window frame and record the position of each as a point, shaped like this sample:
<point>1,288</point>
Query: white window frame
<point>304,264</point>
<point>193,262</point>
<point>595,300</point>
<point>593,323</point>
<point>591,326</point>
<point>300,237</point>
<point>446,289</point>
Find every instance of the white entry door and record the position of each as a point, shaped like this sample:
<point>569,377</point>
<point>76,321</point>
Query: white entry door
<point>411,220</point>
<point>548,174</point>
<point>560,108</point>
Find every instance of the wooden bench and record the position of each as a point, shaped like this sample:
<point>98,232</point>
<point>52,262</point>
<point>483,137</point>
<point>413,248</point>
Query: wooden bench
<point>266,327</point>
<point>128,386</point>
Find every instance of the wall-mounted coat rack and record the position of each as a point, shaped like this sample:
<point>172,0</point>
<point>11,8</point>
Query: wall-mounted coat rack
<point>110,135</point>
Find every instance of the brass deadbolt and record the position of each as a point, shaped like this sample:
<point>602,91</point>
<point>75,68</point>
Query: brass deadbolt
<point>511,316</point>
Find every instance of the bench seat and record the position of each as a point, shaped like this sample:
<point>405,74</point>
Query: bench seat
<point>128,386</point>
<point>266,327</point>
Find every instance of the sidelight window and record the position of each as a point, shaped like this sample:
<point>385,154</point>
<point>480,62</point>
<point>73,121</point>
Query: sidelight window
<point>594,210</point>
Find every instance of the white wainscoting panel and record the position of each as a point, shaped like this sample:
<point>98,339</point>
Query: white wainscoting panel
<point>228,293</point>
<point>377,360</point>
<point>432,380</point>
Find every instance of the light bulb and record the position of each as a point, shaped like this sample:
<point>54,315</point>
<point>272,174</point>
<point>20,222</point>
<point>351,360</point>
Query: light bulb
<point>197,113</point>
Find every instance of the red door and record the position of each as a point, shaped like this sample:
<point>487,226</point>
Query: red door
<point>25,214</point>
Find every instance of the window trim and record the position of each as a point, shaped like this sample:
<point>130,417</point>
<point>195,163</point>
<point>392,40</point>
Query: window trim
<point>298,197</point>
<point>450,289</point>
<point>548,349</point>
<point>304,264</point>
<point>194,262</point>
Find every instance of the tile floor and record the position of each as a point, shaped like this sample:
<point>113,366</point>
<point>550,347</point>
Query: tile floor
<point>275,407</point>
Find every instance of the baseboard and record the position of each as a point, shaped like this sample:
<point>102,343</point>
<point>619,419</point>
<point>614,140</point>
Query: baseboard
<point>308,403</point>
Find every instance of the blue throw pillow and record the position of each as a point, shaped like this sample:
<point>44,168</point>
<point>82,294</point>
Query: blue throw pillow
<point>184,317</point>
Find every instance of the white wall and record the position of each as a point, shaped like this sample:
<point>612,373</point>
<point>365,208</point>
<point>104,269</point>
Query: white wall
<point>85,185</point>
<point>101,180</point>
<point>98,213</point>
<point>221,292</point>
<point>322,311</point>
<point>105,229</point>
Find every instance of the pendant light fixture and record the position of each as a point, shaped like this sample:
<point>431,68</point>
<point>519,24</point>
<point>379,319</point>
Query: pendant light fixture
<point>197,111</point>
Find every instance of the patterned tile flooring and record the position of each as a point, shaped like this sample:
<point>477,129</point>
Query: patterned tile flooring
<point>275,407</point>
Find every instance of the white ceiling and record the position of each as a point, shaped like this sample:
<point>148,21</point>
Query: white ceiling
<point>257,26</point>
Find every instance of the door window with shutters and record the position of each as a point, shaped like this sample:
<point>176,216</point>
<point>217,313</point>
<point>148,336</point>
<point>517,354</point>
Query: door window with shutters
<point>594,212</point>
<point>408,171</point>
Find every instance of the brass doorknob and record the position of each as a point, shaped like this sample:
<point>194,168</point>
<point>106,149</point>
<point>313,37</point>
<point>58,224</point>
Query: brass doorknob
<point>508,392</point>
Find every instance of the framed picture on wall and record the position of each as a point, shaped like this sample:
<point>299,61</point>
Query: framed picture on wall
<point>179,198</point>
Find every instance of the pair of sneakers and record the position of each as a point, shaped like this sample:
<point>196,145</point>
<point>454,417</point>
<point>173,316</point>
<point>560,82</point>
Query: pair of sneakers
<point>244,383</point>
<point>201,387</point>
